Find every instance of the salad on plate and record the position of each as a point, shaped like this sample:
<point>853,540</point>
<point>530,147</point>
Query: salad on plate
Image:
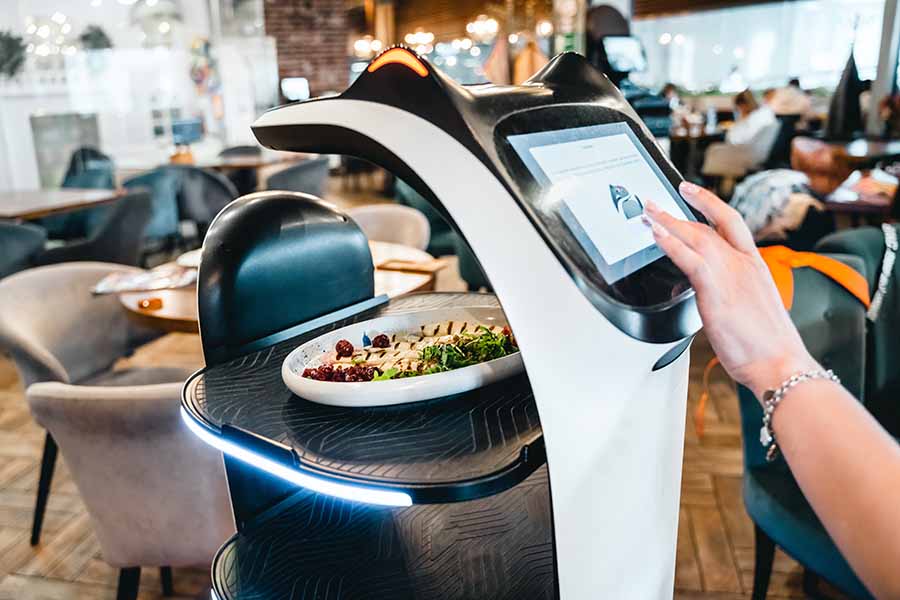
<point>435,348</point>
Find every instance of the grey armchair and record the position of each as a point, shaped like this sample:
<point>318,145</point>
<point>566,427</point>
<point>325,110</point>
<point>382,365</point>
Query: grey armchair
<point>308,176</point>
<point>156,494</point>
<point>19,244</point>
<point>118,238</point>
<point>56,330</point>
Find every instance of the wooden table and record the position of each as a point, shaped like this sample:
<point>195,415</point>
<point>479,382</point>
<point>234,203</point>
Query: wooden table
<point>682,135</point>
<point>176,310</point>
<point>250,161</point>
<point>874,209</point>
<point>692,158</point>
<point>867,153</point>
<point>31,204</point>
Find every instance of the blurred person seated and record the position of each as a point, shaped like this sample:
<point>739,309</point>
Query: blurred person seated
<point>865,98</point>
<point>779,207</point>
<point>790,100</point>
<point>747,143</point>
<point>670,93</point>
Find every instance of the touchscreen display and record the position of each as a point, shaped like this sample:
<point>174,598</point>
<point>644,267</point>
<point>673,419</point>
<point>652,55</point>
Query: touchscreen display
<point>598,178</point>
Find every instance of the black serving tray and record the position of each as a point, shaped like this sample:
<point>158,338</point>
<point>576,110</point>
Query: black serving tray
<point>451,449</point>
<point>315,547</point>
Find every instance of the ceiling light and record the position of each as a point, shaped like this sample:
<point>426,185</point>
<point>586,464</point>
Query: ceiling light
<point>544,28</point>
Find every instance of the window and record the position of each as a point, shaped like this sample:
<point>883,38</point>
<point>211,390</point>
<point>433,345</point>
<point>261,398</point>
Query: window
<point>762,46</point>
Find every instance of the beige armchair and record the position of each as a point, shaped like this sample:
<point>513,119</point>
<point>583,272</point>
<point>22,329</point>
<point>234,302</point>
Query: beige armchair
<point>156,494</point>
<point>55,330</point>
<point>393,223</point>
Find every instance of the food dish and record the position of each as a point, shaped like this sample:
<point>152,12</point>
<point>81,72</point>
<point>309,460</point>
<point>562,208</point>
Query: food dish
<point>434,348</point>
<point>458,349</point>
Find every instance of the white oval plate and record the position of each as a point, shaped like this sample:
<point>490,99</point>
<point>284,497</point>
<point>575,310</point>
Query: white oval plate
<point>396,391</point>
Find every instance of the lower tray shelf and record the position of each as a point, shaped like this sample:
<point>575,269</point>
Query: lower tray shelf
<point>316,547</point>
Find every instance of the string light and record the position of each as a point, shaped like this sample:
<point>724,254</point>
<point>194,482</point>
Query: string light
<point>367,46</point>
<point>544,28</point>
<point>483,28</point>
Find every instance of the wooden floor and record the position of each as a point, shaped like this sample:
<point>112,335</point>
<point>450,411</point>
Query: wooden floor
<point>715,537</point>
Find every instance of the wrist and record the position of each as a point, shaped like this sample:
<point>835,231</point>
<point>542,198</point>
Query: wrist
<point>770,374</point>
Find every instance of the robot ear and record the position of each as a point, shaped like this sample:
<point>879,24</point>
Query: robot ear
<point>570,68</point>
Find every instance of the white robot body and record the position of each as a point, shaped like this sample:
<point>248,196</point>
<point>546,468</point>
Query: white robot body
<point>613,427</point>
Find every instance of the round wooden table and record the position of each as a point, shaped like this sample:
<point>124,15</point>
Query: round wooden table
<point>176,310</point>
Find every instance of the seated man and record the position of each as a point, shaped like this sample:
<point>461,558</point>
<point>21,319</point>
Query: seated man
<point>747,143</point>
<point>790,100</point>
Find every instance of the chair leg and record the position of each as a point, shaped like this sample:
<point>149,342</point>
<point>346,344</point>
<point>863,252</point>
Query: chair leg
<point>129,583</point>
<point>811,584</point>
<point>762,569</point>
<point>48,463</point>
<point>165,577</point>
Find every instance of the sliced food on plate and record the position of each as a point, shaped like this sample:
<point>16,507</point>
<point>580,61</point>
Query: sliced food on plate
<point>435,348</point>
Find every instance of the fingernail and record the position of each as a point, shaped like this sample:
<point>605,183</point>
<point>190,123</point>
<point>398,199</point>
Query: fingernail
<point>646,220</point>
<point>651,207</point>
<point>686,187</point>
<point>658,230</point>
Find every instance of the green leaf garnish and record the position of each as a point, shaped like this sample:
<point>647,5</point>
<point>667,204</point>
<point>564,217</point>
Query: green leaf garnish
<point>389,374</point>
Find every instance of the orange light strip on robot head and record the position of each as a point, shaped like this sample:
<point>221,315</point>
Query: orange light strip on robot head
<point>399,56</point>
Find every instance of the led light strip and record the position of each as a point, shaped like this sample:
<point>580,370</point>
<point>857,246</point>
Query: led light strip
<point>316,484</point>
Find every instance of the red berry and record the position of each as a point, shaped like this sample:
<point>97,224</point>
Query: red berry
<point>381,341</point>
<point>343,348</point>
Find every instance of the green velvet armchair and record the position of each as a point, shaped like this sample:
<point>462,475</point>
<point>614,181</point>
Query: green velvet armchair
<point>832,324</point>
<point>882,390</point>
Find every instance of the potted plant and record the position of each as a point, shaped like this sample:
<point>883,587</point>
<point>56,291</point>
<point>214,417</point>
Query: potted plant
<point>12,54</point>
<point>94,38</point>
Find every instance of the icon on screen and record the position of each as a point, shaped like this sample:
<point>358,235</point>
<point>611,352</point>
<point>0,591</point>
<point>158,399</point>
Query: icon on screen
<point>628,205</point>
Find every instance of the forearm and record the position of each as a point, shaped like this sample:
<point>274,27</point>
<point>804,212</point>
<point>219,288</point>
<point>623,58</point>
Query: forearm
<point>849,469</point>
<point>847,466</point>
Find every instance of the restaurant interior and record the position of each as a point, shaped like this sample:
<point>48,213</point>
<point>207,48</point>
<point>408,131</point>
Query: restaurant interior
<point>287,306</point>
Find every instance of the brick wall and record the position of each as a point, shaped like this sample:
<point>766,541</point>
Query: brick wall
<point>311,38</point>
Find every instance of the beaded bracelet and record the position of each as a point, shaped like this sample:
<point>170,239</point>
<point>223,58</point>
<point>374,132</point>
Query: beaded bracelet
<point>772,398</point>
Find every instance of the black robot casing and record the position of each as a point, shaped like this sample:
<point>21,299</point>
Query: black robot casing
<point>568,100</point>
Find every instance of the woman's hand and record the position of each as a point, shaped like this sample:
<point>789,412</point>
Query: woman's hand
<point>745,321</point>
